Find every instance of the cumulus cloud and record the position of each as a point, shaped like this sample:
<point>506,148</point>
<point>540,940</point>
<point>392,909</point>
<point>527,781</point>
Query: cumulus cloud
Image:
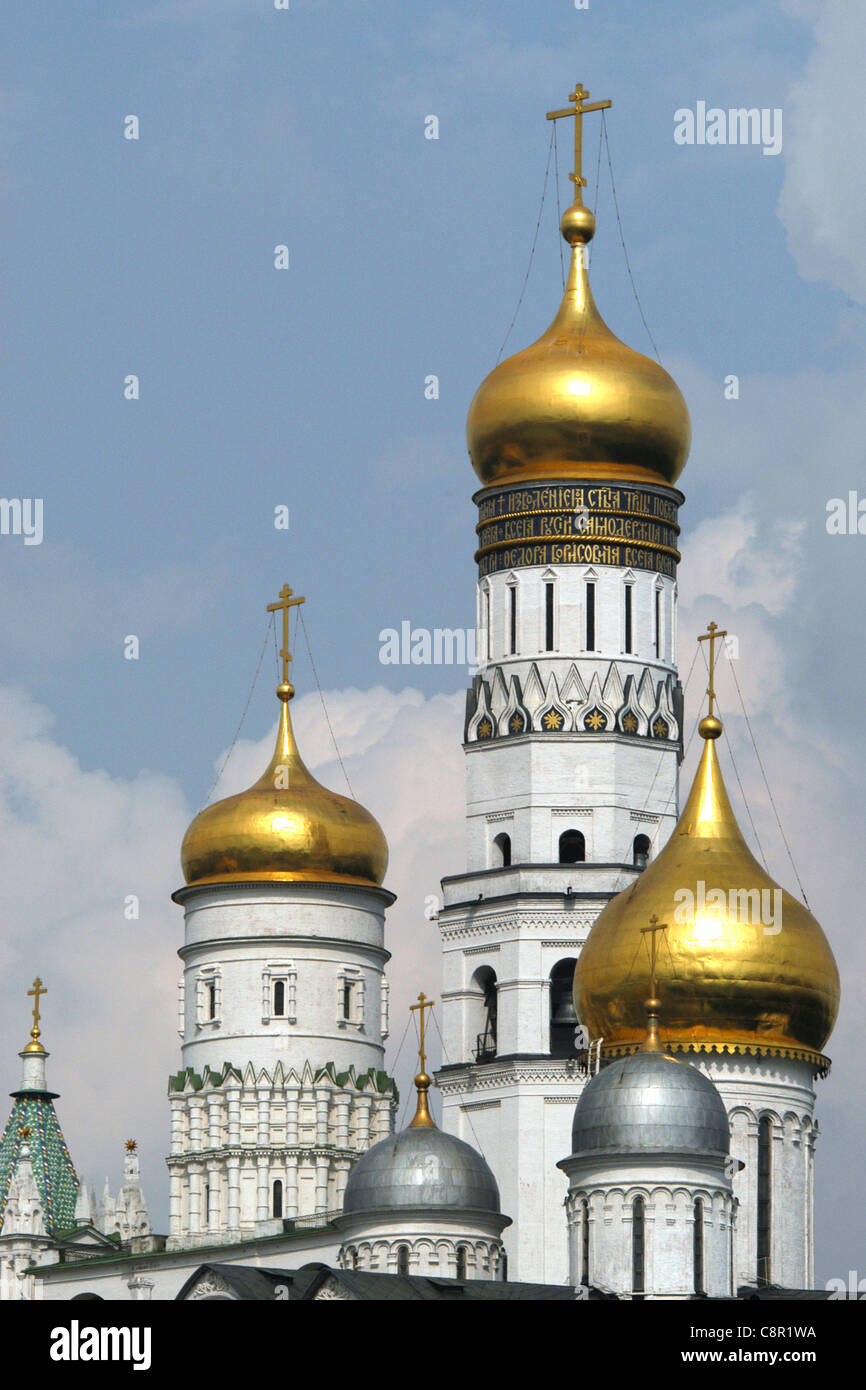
<point>823,199</point>
<point>75,844</point>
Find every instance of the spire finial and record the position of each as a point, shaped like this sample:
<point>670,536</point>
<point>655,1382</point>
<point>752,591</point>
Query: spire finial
<point>285,690</point>
<point>423,1119</point>
<point>651,1042</point>
<point>710,726</point>
<point>35,993</point>
<point>578,223</point>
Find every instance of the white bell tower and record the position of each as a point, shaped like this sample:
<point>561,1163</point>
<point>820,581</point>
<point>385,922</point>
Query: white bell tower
<point>283,1006</point>
<point>573,732</point>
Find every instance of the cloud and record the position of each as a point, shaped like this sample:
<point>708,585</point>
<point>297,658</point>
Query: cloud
<point>74,844</point>
<point>727,557</point>
<point>823,199</point>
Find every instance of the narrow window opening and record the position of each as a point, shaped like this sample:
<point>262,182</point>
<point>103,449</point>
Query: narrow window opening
<point>628,589</point>
<point>512,619</point>
<point>461,1262</point>
<point>698,1246</point>
<point>640,851</point>
<point>548,617</point>
<point>403,1259</point>
<point>572,847</point>
<point>590,617</point>
<point>211,998</point>
<point>658,623</point>
<point>487,623</point>
<point>279,998</point>
<point>347,1000</point>
<point>584,1244</point>
<point>638,1235</point>
<point>765,1139</point>
<point>278,1198</point>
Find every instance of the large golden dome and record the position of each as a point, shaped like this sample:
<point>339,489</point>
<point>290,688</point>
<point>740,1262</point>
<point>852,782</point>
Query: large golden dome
<point>754,985</point>
<point>578,402</point>
<point>285,828</point>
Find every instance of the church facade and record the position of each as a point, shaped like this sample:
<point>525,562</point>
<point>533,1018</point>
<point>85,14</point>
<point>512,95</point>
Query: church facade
<point>628,1082</point>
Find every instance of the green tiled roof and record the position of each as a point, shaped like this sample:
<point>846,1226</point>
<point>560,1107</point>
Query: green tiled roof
<point>52,1167</point>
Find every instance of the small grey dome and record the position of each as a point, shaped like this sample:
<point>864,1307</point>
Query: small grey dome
<point>422,1167</point>
<point>650,1103</point>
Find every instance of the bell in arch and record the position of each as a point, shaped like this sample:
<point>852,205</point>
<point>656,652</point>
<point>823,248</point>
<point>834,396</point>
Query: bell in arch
<point>564,1016</point>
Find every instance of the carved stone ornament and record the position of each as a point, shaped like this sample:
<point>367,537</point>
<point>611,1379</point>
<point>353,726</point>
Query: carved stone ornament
<point>333,1289</point>
<point>212,1286</point>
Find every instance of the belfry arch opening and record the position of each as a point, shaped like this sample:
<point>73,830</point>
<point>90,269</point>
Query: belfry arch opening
<point>640,851</point>
<point>483,1008</point>
<point>502,851</point>
<point>563,1019</point>
<point>572,847</point>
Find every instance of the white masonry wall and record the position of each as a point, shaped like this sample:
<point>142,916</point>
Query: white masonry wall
<point>276,1117</point>
<point>521,921</point>
<point>782,1089</point>
<point>608,1186</point>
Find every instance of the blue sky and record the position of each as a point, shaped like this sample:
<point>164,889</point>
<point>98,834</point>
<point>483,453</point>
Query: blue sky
<point>306,388</point>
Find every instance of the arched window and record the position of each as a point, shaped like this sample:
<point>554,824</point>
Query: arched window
<point>352,1257</point>
<point>563,1019</point>
<point>572,847</point>
<point>658,623</point>
<point>549,594</point>
<point>584,1243</point>
<point>638,1252</point>
<point>698,1245</point>
<point>210,995</point>
<point>765,1141</point>
<point>590,616</point>
<point>279,998</point>
<point>502,845</point>
<point>484,1015</point>
<point>461,1262</point>
<point>402,1259</point>
<point>640,851</point>
<point>486,621</point>
<point>278,1198</point>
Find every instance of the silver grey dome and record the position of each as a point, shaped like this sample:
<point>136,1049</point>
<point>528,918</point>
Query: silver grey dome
<point>421,1167</point>
<point>650,1103</point>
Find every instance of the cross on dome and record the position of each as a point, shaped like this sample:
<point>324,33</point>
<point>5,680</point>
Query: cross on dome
<point>578,110</point>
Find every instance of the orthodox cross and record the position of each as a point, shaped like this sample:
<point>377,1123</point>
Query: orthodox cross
<point>285,603</point>
<point>578,111</point>
<point>712,635</point>
<point>651,1042</point>
<point>654,927</point>
<point>37,990</point>
<point>423,1003</point>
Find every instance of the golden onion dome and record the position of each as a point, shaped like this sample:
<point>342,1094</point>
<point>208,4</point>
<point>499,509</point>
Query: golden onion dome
<point>286,828</point>
<point>578,402</point>
<point>742,965</point>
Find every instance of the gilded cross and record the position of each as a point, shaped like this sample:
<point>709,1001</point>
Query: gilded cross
<point>286,601</point>
<point>712,635</point>
<point>578,111</point>
<point>37,990</point>
<point>652,930</point>
<point>423,1003</point>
